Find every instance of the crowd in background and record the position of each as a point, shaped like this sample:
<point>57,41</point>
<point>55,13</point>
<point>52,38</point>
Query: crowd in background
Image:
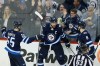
<point>23,10</point>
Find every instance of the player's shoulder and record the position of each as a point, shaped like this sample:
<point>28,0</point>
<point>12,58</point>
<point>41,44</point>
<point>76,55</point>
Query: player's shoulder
<point>46,25</point>
<point>10,30</point>
<point>20,33</point>
<point>85,32</point>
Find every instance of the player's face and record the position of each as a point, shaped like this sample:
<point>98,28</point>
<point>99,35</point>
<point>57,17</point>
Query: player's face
<point>53,24</point>
<point>72,14</point>
<point>19,28</point>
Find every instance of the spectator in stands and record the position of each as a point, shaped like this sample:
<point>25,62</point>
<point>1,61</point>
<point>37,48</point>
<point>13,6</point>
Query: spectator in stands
<point>50,8</point>
<point>22,4</point>
<point>1,3</point>
<point>65,15</point>
<point>33,2</point>
<point>7,15</point>
<point>79,6</point>
<point>91,21</point>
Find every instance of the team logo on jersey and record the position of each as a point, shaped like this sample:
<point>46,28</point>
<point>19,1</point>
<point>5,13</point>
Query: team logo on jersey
<point>70,25</point>
<point>51,37</point>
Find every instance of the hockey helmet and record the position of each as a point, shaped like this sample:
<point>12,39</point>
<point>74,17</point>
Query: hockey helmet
<point>53,19</point>
<point>17,23</point>
<point>82,24</point>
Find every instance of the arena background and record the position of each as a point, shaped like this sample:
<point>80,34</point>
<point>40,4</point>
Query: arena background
<point>30,26</point>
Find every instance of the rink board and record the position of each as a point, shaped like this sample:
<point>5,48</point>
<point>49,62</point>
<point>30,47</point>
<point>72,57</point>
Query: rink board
<point>29,52</point>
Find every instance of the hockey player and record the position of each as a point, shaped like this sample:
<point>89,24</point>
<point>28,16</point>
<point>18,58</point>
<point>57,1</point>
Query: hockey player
<point>85,38</point>
<point>72,23</point>
<point>14,37</point>
<point>52,34</point>
<point>81,59</point>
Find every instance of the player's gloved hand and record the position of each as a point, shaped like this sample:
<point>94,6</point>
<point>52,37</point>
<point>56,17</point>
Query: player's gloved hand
<point>38,37</point>
<point>67,45</point>
<point>3,29</point>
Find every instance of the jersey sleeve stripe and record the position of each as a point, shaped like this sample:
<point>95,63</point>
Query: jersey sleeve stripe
<point>89,42</point>
<point>12,51</point>
<point>25,40</point>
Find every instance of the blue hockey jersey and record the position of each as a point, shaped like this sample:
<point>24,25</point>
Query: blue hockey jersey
<point>52,35</point>
<point>85,38</point>
<point>14,38</point>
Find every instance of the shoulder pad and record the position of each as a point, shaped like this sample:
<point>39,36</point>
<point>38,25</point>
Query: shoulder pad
<point>46,25</point>
<point>85,32</point>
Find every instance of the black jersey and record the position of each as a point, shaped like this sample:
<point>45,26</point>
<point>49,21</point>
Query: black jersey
<point>85,38</point>
<point>14,38</point>
<point>52,35</point>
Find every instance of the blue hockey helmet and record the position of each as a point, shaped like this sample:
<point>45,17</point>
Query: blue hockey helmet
<point>17,23</point>
<point>82,24</point>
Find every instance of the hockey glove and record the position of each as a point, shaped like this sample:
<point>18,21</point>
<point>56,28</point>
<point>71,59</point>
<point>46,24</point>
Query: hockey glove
<point>67,45</point>
<point>3,29</point>
<point>39,37</point>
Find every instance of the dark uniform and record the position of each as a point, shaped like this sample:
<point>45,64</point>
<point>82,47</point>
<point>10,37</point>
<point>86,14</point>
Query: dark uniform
<point>14,39</point>
<point>52,36</point>
<point>68,22</point>
<point>73,22</point>
<point>85,38</point>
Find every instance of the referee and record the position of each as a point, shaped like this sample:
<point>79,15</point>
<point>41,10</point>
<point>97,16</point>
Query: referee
<point>81,59</point>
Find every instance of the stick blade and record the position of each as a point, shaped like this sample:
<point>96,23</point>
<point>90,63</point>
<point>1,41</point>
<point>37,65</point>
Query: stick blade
<point>39,15</point>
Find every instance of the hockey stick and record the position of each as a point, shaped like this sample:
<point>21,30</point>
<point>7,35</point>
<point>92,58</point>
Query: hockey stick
<point>41,17</point>
<point>97,46</point>
<point>72,50</point>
